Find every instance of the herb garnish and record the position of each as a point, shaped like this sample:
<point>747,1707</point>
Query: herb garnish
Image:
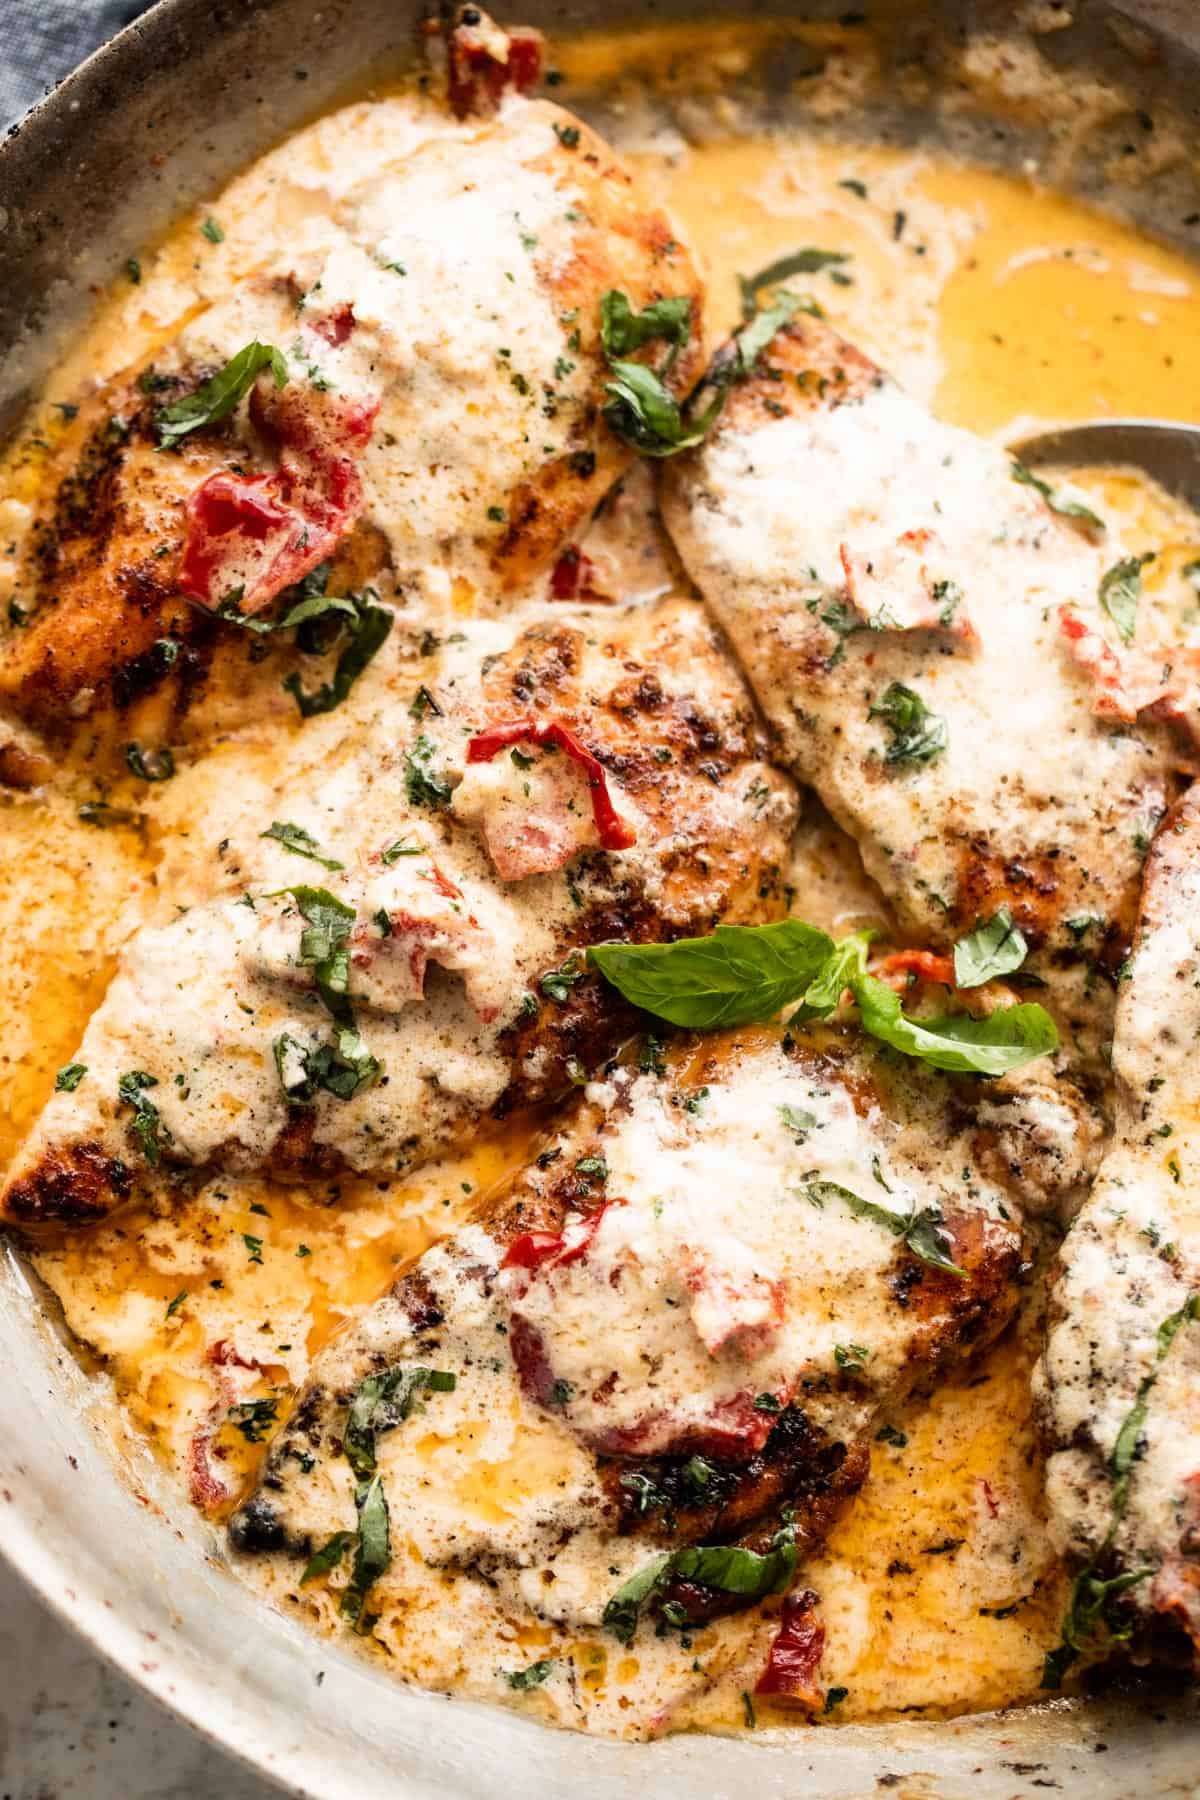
<point>69,1078</point>
<point>920,1231</point>
<point>400,848</point>
<point>380,1403</point>
<point>217,397</point>
<point>918,735</point>
<point>300,843</point>
<point>251,1418</point>
<point>801,262</point>
<point>1066,509</point>
<point>422,782</point>
<point>150,765</point>
<point>325,944</point>
<point>146,1124</point>
<point>343,1068</point>
<point>744,974</point>
<point>993,949</point>
<point>1091,1603</point>
<point>368,625</point>
<point>1120,590</point>
<point>726,1567</point>
<point>537,1672</point>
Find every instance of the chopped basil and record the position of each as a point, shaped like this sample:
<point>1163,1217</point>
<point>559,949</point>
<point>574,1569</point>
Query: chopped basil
<point>726,1567</point>
<point>801,262</point>
<point>216,398</point>
<point>252,1417</point>
<point>1120,590</point>
<point>254,1246</point>
<point>368,626</point>
<point>325,944</point>
<point>300,843</point>
<point>400,848</point>
<point>645,414</point>
<point>69,1078</point>
<point>918,735</point>
<point>556,984</point>
<point>174,1305</point>
<point>212,231</point>
<point>328,1556</point>
<point>593,1167</point>
<point>798,1122</point>
<point>888,1434</point>
<point>622,330</point>
<point>851,1356</point>
<point>380,1403</point>
<point>993,949</point>
<point>537,1672</point>
<point>920,1231</point>
<point>1066,509</point>
<point>146,1125</point>
<point>422,782</point>
<point>343,1068</point>
<point>150,765</point>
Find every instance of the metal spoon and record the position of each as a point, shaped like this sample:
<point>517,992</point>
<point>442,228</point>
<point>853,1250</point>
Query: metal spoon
<point>1167,450</point>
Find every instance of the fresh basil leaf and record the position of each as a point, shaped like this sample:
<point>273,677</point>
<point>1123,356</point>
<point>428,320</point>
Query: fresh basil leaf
<point>69,1078</point>
<point>150,765</point>
<point>622,330</point>
<point>621,1613</point>
<point>740,975</point>
<point>300,843</point>
<point>369,631</point>
<point>382,1402</point>
<point>644,413</point>
<point>991,950</point>
<point>328,1556</point>
<point>956,1042</point>
<point>798,1121</point>
<point>918,735</point>
<point>846,964</point>
<point>531,1677</point>
<point>216,398</point>
<point>146,1125</point>
<point>423,784</point>
<point>808,261</point>
<point>754,337</point>
<point>1120,590</point>
<point>1066,509</point>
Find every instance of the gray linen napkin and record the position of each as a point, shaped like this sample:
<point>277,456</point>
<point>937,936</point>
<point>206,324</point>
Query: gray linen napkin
<point>43,40</point>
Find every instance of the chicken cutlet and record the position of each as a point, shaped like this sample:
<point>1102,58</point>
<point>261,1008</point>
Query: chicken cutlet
<point>398,951</point>
<point>415,390</point>
<point>948,651</point>
<point>1119,1382</point>
<point>686,1319</point>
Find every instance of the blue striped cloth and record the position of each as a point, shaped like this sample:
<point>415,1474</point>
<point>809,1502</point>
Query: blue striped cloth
<point>45,39</point>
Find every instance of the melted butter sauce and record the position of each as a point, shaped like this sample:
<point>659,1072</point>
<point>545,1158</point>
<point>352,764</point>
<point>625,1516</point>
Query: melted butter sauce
<point>1005,306</point>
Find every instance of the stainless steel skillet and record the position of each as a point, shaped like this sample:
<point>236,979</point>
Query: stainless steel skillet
<point>161,119</point>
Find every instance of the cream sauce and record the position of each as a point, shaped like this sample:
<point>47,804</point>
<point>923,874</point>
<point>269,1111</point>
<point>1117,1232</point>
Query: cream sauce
<point>991,278</point>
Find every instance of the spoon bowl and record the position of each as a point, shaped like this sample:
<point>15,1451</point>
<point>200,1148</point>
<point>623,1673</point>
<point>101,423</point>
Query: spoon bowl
<point>1164,449</point>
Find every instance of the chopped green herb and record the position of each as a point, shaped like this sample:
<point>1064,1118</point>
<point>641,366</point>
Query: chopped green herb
<point>212,231</point>
<point>400,848</point>
<point>254,1246</point>
<point>991,950</point>
<point>216,398</point>
<point>726,1567</point>
<point>557,984</point>
<point>369,626</point>
<point>176,1303</point>
<point>801,262</point>
<point>834,1697</point>
<point>328,1556</point>
<point>918,735</point>
<point>146,1125</point>
<point>300,843</point>
<point>424,785</point>
<point>920,1231</point>
<point>69,1078</point>
<point>1066,509</point>
<point>252,1417</point>
<point>1120,590</point>
<point>537,1672</point>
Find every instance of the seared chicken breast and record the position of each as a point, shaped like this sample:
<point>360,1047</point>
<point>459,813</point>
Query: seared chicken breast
<point>430,415</point>
<point>686,1319</point>
<point>397,951</point>
<point>1119,1384</point>
<point>938,646</point>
